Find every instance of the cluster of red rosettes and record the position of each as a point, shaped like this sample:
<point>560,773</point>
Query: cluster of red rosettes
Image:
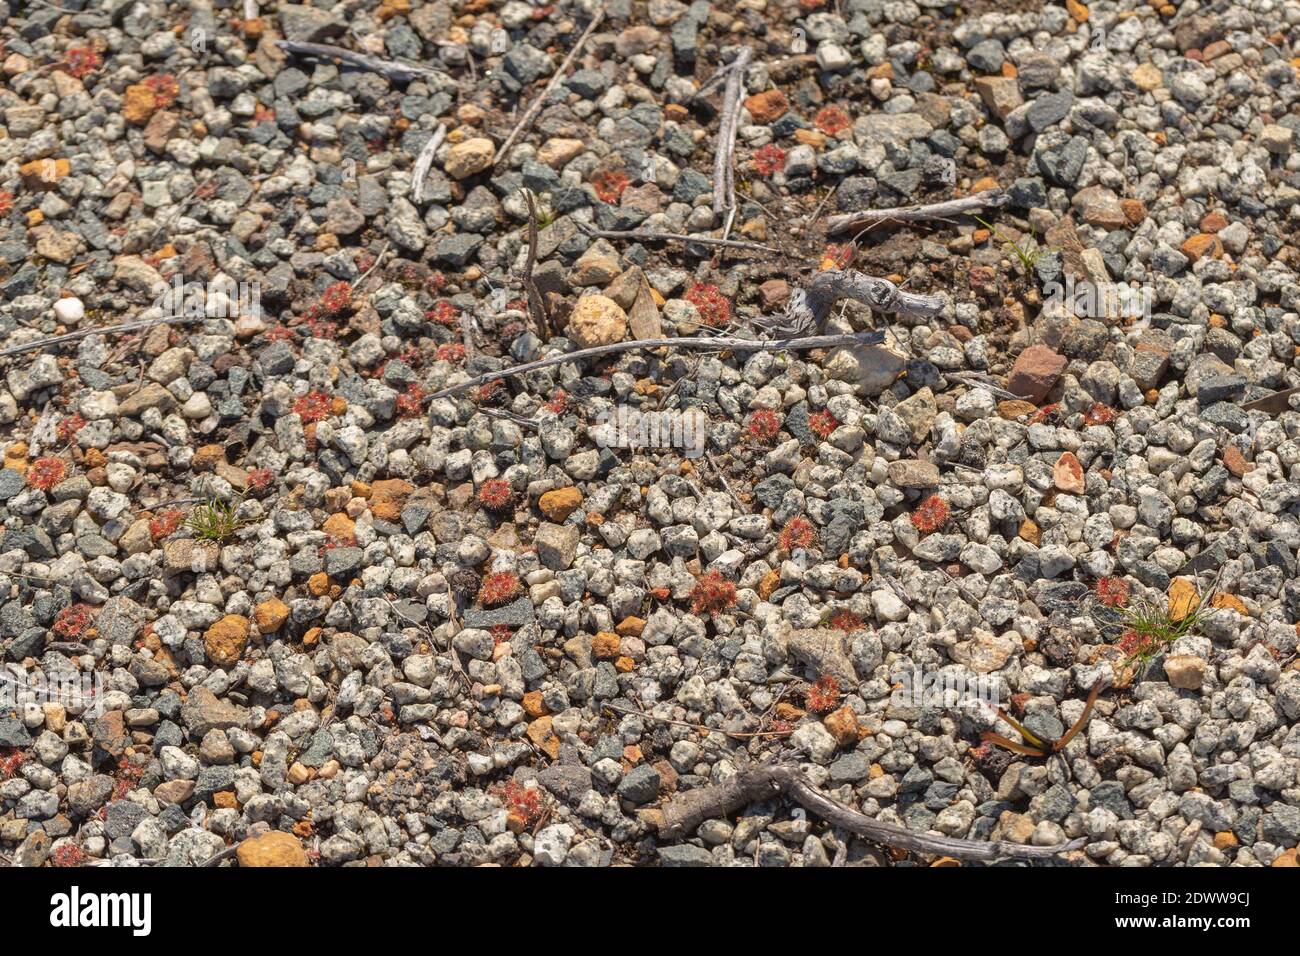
<point>769,159</point>
<point>81,61</point>
<point>165,524</point>
<point>72,621</point>
<point>496,494</point>
<point>715,308</point>
<point>164,88</point>
<point>764,424</point>
<point>68,427</point>
<point>609,185</point>
<point>832,120</point>
<point>823,695</point>
<point>312,407</point>
<point>1113,592</point>
<point>930,515</point>
<point>411,402</point>
<point>45,473</point>
<point>797,533</point>
<point>499,587</point>
<point>823,423</point>
<point>712,593</point>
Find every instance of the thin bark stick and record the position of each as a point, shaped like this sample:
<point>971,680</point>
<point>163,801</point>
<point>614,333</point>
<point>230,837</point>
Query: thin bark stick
<point>696,342</point>
<point>989,198</point>
<point>389,69</point>
<point>724,185</point>
<point>675,237</point>
<point>101,330</point>
<point>526,121</point>
<point>808,310</point>
<point>424,162</point>
<point>536,304</point>
<point>742,734</point>
<point>688,810</point>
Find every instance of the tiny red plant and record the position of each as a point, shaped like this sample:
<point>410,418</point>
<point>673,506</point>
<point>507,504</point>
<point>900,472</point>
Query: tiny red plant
<point>69,427</point>
<point>1113,592</point>
<point>498,587</point>
<point>444,313</point>
<point>558,403</point>
<point>336,298</point>
<point>838,257</point>
<point>522,801</point>
<point>797,533</point>
<point>845,620</point>
<point>491,393</point>
<point>72,621</point>
<point>715,308</point>
<point>496,494</point>
<point>823,695</point>
<point>164,88</point>
<point>278,333</point>
<point>712,593</point>
<point>165,524</point>
<point>832,120</point>
<point>452,352</point>
<point>411,402</point>
<point>1043,414</point>
<point>769,159</point>
<point>260,478</point>
<point>500,633</point>
<point>764,424</point>
<point>930,515</point>
<point>68,855</point>
<point>609,185</point>
<point>81,61</point>
<point>435,282</point>
<point>823,423</point>
<point>1099,414</point>
<point>312,407</point>
<point>45,473</point>
<point>10,764</point>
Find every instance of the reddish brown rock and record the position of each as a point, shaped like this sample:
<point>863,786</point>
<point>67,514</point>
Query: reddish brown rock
<point>768,106</point>
<point>1067,474</point>
<point>1036,370</point>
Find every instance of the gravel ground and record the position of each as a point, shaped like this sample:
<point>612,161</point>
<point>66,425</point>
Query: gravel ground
<point>335,622</point>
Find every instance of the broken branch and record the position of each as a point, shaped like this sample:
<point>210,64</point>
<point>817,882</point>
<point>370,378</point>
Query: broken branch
<point>808,309</point>
<point>724,185</point>
<point>389,69</point>
<point>530,114</point>
<point>673,237</point>
<point>688,810</point>
<point>988,199</point>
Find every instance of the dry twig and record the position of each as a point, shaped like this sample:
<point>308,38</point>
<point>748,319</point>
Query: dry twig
<point>424,162</point>
<point>536,304</point>
<point>389,69</point>
<point>530,114</point>
<point>724,184</point>
<point>673,237</point>
<point>42,344</point>
<point>808,309</point>
<point>988,199</point>
<point>689,809</point>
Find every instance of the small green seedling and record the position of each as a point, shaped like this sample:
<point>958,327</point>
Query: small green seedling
<point>1028,254</point>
